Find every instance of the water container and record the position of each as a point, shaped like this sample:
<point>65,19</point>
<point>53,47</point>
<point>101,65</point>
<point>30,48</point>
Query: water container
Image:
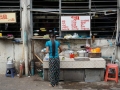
<point>10,63</point>
<point>32,67</point>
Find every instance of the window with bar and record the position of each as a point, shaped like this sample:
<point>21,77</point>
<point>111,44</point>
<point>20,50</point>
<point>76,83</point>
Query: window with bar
<point>104,25</point>
<point>11,28</point>
<point>45,23</point>
<point>53,4</point>
<point>103,22</point>
<point>9,4</point>
<point>103,4</point>
<point>74,6</point>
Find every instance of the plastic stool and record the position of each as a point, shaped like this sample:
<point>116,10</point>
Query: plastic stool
<point>111,66</point>
<point>10,72</point>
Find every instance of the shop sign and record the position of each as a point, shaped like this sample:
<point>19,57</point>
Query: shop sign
<point>7,17</point>
<point>75,23</point>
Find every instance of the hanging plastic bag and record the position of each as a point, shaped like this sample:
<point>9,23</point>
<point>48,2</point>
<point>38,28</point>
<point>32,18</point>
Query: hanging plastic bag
<point>46,57</point>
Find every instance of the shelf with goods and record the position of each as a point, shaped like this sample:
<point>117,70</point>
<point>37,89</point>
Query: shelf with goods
<point>58,38</point>
<point>8,31</point>
<point>81,34</point>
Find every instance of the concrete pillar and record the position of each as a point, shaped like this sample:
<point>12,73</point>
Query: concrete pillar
<point>25,30</point>
<point>30,20</point>
<point>118,29</point>
<point>30,28</point>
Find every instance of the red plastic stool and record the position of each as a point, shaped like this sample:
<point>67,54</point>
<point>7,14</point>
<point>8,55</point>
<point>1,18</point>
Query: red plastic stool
<point>111,66</point>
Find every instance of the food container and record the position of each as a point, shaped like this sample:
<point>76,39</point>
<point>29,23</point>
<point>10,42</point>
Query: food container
<point>96,50</point>
<point>82,53</point>
<point>67,53</point>
<point>94,55</point>
<point>36,34</point>
<point>10,63</point>
<point>0,34</point>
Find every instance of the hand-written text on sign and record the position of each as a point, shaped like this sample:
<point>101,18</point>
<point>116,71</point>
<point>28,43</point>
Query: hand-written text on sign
<point>3,16</point>
<point>83,22</point>
<point>7,18</point>
<point>64,25</point>
<point>75,23</point>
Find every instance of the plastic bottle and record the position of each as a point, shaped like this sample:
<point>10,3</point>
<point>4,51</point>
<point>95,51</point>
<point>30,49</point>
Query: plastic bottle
<point>71,55</point>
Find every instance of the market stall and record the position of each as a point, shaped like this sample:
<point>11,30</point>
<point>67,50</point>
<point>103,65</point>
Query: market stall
<point>79,61</point>
<point>79,68</point>
<point>76,24</point>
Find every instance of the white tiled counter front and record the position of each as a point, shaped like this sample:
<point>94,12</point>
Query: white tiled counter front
<point>71,63</point>
<point>71,70</point>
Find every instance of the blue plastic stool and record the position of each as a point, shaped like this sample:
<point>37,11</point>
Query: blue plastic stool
<point>10,72</point>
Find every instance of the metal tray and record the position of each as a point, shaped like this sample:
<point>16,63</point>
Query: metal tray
<point>81,59</point>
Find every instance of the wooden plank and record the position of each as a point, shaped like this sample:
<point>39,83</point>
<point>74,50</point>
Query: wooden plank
<point>39,58</point>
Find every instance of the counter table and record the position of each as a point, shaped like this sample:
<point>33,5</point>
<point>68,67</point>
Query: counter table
<point>91,70</point>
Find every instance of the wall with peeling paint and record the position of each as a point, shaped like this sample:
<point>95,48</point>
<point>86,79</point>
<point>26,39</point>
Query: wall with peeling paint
<point>8,48</point>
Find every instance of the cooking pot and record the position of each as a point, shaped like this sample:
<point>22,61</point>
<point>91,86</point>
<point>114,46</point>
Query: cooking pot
<point>81,53</point>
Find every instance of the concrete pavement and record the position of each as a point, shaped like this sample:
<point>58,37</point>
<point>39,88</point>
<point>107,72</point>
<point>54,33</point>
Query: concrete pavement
<point>37,83</point>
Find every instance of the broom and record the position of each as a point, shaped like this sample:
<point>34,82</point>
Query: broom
<point>23,59</point>
<point>21,63</point>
